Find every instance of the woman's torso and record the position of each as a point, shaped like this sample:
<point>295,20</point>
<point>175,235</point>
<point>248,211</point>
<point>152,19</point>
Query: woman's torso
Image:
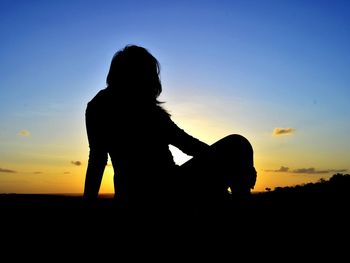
<point>137,139</point>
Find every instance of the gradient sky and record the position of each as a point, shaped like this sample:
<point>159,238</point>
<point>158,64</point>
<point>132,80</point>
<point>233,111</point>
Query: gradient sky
<point>277,72</point>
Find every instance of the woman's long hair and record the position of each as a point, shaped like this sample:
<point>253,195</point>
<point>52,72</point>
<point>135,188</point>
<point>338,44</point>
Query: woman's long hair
<point>134,74</point>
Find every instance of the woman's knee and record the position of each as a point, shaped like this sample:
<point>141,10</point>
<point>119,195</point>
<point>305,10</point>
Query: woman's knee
<point>235,141</point>
<point>232,152</point>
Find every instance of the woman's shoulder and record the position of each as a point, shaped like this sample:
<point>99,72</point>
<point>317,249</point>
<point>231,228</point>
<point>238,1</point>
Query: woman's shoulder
<point>99,99</point>
<point>163,114</point>
<point>162,111</point>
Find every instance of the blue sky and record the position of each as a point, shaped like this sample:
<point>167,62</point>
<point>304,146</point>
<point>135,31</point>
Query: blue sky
<point>243,67</point>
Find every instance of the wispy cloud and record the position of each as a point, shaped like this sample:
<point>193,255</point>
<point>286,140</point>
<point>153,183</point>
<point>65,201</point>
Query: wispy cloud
<point>310,170</point>
<point>315,171</point>
<point>281,169</point>
<point>283,131</point>
<point>77,163</point>
<point>66,173</point>
<point>37,172</point>
<point>24,133</point>
<point>2,170</point>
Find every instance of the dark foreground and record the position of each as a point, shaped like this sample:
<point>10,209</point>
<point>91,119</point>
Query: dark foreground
<point>298,218</point>
<point>269,208</point>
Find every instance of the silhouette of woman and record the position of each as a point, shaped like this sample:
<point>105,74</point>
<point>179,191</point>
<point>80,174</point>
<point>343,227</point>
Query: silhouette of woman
<point>127,122</point>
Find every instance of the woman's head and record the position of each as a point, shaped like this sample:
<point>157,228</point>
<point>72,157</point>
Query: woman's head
<point>134,71</point>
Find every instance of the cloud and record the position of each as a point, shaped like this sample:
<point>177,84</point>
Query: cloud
<point>314,171</point>
<point>37,172</point>
<point>77,163</point>
<point>24,133</point>
<point>283,131</point>
<point>310,170</point>
<point>281,169</point>
<point>66,173</point>
<point>2,170</point>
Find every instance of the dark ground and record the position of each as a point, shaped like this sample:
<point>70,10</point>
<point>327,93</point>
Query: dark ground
<point>302,217</point>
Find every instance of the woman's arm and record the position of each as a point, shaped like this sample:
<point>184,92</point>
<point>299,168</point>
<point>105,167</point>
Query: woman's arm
<point>185,142</point>
<point>94,173</point>
<point>98,155</point>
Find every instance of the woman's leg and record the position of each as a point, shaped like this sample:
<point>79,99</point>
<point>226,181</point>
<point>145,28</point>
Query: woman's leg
<point>228,163</point>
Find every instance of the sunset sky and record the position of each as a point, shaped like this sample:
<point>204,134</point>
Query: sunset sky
<point>277,72</point>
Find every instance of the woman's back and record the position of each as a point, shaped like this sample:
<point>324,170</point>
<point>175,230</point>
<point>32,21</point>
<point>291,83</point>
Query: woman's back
<point>137,139</point>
